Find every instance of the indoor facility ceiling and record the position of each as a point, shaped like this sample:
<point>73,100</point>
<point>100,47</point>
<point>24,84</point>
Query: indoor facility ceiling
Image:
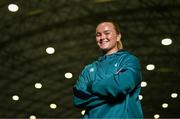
<point>69,27</point>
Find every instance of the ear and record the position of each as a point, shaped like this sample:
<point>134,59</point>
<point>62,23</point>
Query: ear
<point>118,37</point>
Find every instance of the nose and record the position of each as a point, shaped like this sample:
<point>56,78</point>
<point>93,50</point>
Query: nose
<point>102,37</point>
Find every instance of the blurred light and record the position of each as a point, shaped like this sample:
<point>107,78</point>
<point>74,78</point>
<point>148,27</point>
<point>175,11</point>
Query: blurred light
<point>143,84</point>
<point>68,75</point>
<point>53,106</point>
<point>83,112</point>
<point>166,41</point>
<point>174,95</point>
<point>50,50</point>
<point>38,85</point>
<point>150,67</point>
<point>140,97</point>
<point>164,105</point>
<point>156,116</point>
<point>32,117</point>
<point>15,97</point>
<point>13,8</point>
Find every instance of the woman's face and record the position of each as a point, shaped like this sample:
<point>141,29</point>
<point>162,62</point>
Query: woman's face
<point>106,37</point>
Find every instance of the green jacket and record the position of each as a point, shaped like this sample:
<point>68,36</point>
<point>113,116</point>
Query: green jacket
<point>109,87</point>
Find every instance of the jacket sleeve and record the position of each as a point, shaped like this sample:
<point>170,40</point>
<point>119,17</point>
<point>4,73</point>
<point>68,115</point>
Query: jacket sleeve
<point>122,82</point>
<point>82,95</point>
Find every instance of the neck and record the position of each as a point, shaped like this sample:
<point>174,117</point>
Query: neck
<point>111,51</point>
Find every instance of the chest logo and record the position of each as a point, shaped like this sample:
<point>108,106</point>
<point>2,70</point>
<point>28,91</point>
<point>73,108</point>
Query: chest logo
<point>116,64</point>
<point>91,69</point>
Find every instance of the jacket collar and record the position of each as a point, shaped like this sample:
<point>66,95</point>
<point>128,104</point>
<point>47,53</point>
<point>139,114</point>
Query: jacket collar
<point>110,55</point>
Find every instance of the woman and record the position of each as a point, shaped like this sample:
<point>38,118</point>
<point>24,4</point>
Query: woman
<point>110,86</point>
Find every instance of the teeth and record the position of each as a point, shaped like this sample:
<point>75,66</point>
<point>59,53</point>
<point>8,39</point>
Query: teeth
<point>104,41</point>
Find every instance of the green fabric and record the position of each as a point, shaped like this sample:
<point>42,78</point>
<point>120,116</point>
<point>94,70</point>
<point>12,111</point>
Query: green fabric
<point>109,87</point>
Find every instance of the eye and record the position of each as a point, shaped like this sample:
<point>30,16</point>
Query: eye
<point>98,34</point>
<point>106,33</point>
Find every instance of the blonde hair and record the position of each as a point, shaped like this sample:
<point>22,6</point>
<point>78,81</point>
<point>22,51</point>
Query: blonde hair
<point>119,44</point>
<point>117,29</point>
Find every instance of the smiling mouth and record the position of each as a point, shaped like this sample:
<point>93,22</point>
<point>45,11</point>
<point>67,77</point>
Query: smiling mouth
<point>104,41</point>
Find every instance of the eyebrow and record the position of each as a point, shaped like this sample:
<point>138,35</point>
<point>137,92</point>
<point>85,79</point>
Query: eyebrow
<point>105,31</point>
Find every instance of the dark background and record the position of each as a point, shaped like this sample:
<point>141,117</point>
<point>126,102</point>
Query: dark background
<point>69,27</point>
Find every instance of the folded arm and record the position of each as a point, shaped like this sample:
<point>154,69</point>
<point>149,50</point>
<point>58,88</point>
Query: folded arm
<point>122,82</point>
<point>83,98</point>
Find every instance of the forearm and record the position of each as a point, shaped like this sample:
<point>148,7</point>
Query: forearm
<point>118,84</point>
<point>83,99</point>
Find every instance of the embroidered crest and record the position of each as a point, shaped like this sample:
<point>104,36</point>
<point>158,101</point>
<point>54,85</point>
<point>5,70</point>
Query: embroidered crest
<point>116,65</point>
<point>91,69</point>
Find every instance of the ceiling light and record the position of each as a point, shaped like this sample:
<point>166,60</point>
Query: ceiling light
<point>83,112</point>
<point>13,8</point>
<point>156,116</point>
<point>164,105</point>
<point>174,95</point>
<point>53,106</point>
<point>32,117</point>
<point>50,50</point>
<point>15,97</point>
<point>143,84</point>
<point>166,41</point>
<point>150,67</point>
<point>140,97</point>
<point>68,75</point>
<point>38,85</point>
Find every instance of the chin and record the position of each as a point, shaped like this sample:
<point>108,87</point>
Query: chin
<point>104,48</point>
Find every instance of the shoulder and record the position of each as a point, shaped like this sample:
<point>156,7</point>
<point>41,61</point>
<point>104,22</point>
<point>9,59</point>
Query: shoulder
<point>126,56</point>
<point>90,67</point>
<point>132,56</point>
